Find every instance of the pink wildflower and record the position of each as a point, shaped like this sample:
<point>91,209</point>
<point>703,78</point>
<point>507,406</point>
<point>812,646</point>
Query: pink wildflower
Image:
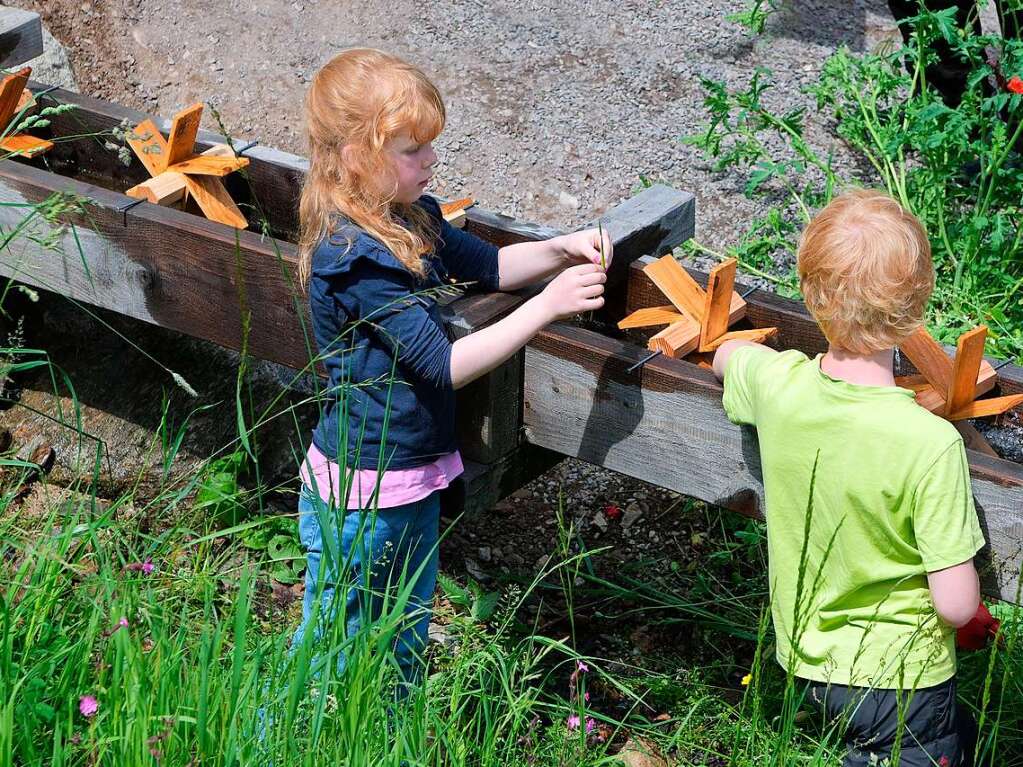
<point>146,568</point>
<point>573,723</point>
<point>580,666</point>
<point>88,705</point>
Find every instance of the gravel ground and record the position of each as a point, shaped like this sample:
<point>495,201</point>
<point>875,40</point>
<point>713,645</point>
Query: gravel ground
<point>555,108</point>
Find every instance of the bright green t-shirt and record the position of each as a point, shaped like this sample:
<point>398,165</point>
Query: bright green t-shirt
<point>891,502</point>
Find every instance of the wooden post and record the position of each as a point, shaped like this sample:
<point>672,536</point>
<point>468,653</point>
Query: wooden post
<point>21,36</point>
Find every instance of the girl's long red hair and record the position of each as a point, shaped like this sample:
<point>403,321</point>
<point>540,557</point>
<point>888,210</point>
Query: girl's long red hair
<point>360,99</point>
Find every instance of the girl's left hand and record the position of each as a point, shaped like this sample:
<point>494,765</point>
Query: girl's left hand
<point>584,247</point>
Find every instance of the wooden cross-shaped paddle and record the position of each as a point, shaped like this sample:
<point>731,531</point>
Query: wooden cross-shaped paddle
<point>178,172</point>
<point>454,211</point>
<point>697,319</point>
<point>949,387</point>
<point>15,97</point>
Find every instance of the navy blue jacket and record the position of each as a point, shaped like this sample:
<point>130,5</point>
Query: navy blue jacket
<point>371,319</point>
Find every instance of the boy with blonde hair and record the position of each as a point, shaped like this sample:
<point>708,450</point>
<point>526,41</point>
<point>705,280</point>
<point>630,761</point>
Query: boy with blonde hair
<point>866,594</point>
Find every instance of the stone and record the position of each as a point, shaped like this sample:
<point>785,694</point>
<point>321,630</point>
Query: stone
<point>632,513</point>
<point>53,67</point>
<point>640,752</point>
<point>566,200</point>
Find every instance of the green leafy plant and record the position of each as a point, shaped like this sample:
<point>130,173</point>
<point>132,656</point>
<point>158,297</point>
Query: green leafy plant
<point>958,170</point>
<point>219,496</point>
<point>473,600</point>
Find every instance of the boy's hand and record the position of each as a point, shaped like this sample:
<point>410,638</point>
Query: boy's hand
<point>982,628</point>
<point>584,247</point>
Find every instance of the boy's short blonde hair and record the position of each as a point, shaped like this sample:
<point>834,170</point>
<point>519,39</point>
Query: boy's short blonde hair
<point>866,272</point>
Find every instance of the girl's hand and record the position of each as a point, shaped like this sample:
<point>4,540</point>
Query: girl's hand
<point>584,247</point>
<point>577,289</point>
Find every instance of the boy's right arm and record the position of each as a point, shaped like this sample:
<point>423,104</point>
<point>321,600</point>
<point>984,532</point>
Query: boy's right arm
<point>948,535</point>
<point>725,351</point>
<point>955,592</point>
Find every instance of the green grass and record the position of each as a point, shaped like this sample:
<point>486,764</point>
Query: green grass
<point>203,666</point>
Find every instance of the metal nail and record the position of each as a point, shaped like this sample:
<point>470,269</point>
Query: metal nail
<point>123,209</point>
<point>643,361</point>
<point>239,151</point>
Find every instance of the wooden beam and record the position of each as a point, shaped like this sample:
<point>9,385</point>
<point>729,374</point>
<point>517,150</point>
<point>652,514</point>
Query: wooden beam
<point>966,370</point>
<point>21,36</point>
<point>756,335</point>
<point>149,146</point>
<point>24,145</point>
<point>974,440</point>
<point>677,286</point>
<point>717,305</point>
<point>664,424</point>
<point>183,133</point>
<point>206,164</point>
<point>10,94</point>
<point>930,359</point>
<point>654,315</point>
<point>210,195</point>
<point>983,408</point>
<point>677,340</point>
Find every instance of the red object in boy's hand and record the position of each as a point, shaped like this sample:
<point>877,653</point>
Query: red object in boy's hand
<point>982,628</point>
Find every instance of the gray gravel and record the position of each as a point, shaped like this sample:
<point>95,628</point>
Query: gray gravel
<point>555,108</point>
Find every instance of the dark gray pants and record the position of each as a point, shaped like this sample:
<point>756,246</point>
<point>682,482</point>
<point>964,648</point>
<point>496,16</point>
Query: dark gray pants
<point>933,729</point>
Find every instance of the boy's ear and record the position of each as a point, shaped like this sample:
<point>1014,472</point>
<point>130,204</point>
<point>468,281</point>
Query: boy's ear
<point>348,154</point>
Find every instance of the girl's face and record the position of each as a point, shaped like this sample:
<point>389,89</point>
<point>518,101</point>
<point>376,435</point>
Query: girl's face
<point>413,166</point>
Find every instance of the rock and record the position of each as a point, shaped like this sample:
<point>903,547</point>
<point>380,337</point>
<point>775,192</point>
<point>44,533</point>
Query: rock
<point>473,568</point>
<point>640,752</point>
<point>566,200</point>
<point>600,521</point>
<point>439,635</point>
<point>632,513</point>
<point>485,553</point>
<point>53,66</point>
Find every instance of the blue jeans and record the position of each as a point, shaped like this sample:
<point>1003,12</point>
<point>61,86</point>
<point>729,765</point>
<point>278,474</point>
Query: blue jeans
<point>371,553</point>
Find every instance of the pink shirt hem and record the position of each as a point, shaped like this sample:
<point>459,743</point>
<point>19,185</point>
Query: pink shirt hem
<point>397,486</point>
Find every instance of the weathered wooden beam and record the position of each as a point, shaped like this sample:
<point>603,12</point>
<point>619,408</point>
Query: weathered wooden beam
<point>21,36</point>
<point>165,289</point>
<point>481,486</point>
<point>664,424</point>
<point>653,218</point>
<point>156,264</point>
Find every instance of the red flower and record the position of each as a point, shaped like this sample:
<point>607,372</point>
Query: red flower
<point>612,511</point>
<point>1015,85</point>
